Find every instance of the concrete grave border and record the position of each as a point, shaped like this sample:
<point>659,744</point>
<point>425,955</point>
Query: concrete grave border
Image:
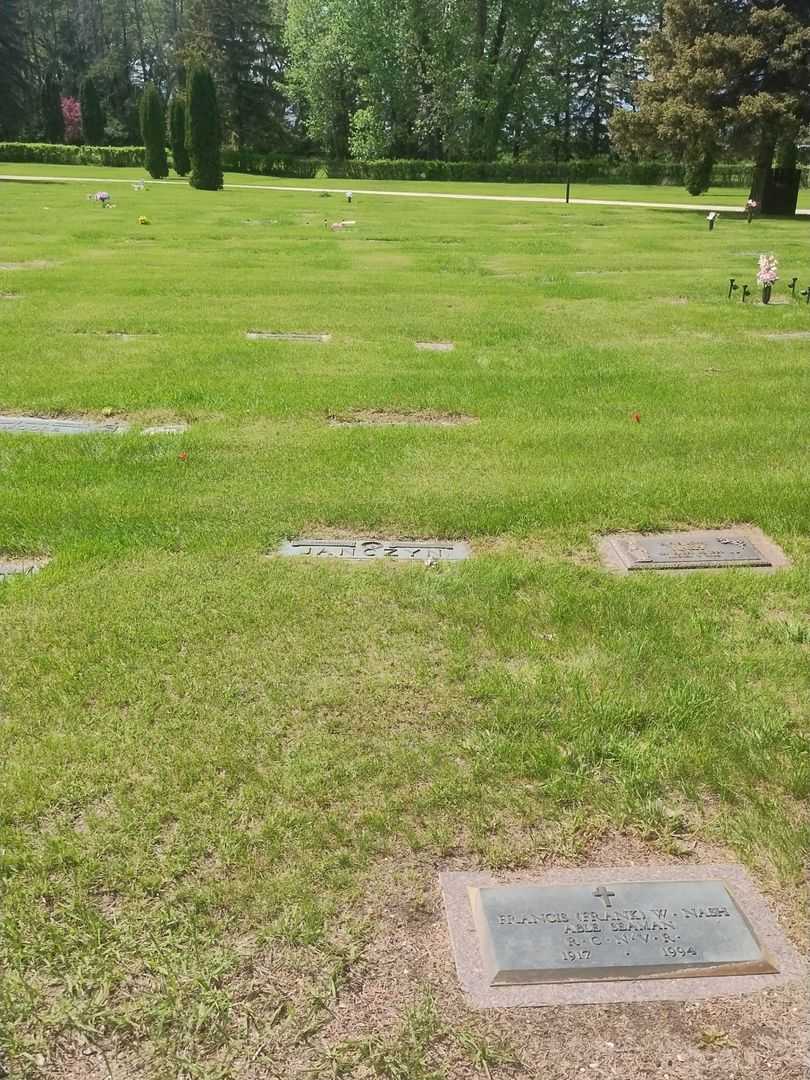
<point>614,556</point>
<point>469,966</point>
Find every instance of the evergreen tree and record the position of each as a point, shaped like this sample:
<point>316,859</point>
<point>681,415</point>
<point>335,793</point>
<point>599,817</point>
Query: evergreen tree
<point>153,132</point>
<point>239,41</point>
<point>53,122</point>
<point>92,115</point>
<point>726,74</point>
<point>203,131</point>
<point>177,135</point>
<point>12,62</point>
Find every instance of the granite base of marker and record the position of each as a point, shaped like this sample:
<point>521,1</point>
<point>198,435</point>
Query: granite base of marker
<point>45,425</point>
<point>739,546</point>
<point>470,965</point>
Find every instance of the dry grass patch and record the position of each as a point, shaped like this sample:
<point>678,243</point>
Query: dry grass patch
<point>392,418</point>
<point>384,1001</point>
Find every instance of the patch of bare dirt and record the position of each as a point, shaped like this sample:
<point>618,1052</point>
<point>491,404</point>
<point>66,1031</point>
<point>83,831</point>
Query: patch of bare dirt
<point>381,1000</point>
<point>392,418</point>
<point>409,955</point>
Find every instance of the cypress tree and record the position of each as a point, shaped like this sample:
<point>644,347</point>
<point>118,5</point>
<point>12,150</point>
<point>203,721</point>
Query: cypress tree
<point>12,66</point>
<point>92,115</point>
<point>177,130</point>
<point>53,123</point>
<point>203,131</point>
<point>153,132</point>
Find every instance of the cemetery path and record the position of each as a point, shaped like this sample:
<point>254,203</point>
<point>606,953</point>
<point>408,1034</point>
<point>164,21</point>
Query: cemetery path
<point>408,194</point>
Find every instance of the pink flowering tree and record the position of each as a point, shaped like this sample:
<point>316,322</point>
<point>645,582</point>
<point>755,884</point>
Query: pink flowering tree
<point>72,113</point>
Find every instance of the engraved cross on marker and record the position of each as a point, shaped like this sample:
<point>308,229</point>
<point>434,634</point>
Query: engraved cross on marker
<point>604,895</point>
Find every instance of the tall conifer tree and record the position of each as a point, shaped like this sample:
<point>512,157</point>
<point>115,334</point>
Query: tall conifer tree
<point>726,74</point>
<point>12,63</point>
<point>177,135</point>
<point>92,115</point>
<point>153,131</point>
<point>203,131</point>
<point>53,122</point>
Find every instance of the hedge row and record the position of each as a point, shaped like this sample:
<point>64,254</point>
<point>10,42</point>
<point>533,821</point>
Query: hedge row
<point>597,170</point>
<point>59,154</point>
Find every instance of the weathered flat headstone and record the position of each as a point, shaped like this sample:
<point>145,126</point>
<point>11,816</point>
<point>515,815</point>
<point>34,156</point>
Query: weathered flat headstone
<point>9,566</point>
<point>435,346</point>
<point>362,549</point>
<point>117,335</point>
<point>614,935</point>
<point>165,429</point>
<point>701,549</point>
<point>271,335</point>
<point>31,264</point>
<point>567,933</point>
<point>44,425</point>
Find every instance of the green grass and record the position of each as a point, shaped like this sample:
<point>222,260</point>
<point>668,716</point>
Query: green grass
<point>734,198</point>
<point>205,753</point>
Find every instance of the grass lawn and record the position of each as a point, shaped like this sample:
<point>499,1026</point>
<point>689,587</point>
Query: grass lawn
<point>734,198</point>
<point>228,781</point>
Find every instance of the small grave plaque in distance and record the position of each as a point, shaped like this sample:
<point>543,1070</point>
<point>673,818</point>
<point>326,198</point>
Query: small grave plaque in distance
<point>45,425</point>
<point>614,934</point>
<point>367,549</point>
<point>702,549</point>
<point>11,567</point>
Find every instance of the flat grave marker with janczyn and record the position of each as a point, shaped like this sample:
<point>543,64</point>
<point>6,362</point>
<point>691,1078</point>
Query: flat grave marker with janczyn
<point>613,935</point>
<point>425,551</point>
